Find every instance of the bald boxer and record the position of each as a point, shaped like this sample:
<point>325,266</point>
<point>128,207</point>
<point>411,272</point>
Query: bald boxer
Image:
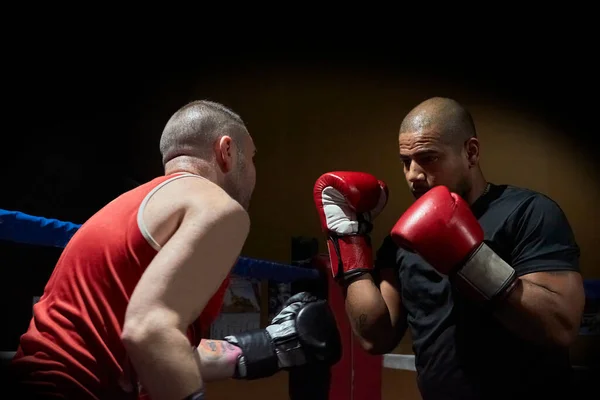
<point>485,276</point>
<point>121,316</point>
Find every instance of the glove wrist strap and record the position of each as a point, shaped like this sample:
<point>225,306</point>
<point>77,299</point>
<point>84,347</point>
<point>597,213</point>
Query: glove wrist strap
<point>351,256</point>
<point>258,359</point>
<point>486,275</point>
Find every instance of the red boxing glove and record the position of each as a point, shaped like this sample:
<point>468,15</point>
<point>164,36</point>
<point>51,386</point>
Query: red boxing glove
<point>347,203</point>
<point>441,228</point>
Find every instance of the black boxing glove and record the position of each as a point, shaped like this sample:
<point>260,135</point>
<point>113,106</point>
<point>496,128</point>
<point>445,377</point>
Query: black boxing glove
<point>303,332</point>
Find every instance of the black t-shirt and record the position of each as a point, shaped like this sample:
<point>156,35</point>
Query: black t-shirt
<point>461,350</point>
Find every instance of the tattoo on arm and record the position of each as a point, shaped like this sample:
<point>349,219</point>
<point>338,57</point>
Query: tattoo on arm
<point>215,350</point>
<point>210,349</point>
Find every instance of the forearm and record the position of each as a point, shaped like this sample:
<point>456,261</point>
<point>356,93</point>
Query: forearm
<point>536,313</point>
<point>369,316</point>
<point>536,306</point>
<point>164,355</point>
<point>217,359</point>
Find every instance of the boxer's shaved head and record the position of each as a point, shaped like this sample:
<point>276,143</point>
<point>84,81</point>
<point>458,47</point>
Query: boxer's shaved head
<point>209,139</point>
<point>439,146</point>
<point>194,128</point>
<point>450,120</point>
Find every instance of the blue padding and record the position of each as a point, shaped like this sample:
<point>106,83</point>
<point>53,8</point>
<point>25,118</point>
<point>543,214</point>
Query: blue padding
<point>18,227</point>
<point>592,288</point>
<point>23,228</point>
<point>261,269</point>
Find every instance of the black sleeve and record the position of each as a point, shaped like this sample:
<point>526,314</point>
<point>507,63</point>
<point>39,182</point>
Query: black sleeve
<point>543,238</point>
<point>386,255</point>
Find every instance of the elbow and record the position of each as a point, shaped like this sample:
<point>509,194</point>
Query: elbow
<point>135,335</point>
<point>143,330</point>
<point>377,346</point>
<point>379,337</point>
<point>378,349</point>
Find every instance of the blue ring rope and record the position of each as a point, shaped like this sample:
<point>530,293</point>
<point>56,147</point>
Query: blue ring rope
<point>19,227</point>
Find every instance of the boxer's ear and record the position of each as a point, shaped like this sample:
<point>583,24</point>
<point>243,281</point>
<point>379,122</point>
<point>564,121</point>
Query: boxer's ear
<point>472,151</point>
<point>224,153</point>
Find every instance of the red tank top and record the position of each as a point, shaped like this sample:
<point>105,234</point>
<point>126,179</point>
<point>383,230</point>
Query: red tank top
<point>74,337</point>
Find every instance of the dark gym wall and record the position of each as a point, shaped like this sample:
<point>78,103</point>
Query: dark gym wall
<point>306,119</point>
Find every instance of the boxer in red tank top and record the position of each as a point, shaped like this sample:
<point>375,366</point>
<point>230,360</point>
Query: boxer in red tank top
<point>156,257</point>
<point>74,339</point>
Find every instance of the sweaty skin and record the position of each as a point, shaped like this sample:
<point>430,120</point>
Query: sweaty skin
<point>197,256</point>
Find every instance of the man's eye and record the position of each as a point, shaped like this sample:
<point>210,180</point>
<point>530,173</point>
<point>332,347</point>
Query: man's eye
<point>428,159</point>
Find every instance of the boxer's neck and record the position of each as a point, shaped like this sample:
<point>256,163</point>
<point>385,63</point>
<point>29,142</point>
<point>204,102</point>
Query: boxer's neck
<point>479,187</point>
<point>191,166</point>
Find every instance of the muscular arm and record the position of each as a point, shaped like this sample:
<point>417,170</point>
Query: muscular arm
<point>375,308</point>
<point>545,307</point>
<point>375,313</point>
<point>178,284</point>
<point>547,302</point>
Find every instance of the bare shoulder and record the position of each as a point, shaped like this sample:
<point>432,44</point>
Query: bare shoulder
<point>205,199</point>
<point>193,191</point>
<point>193,200</point>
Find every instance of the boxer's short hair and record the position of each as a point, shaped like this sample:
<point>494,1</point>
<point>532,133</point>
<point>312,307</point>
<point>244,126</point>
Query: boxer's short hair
<point>193,129</point>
